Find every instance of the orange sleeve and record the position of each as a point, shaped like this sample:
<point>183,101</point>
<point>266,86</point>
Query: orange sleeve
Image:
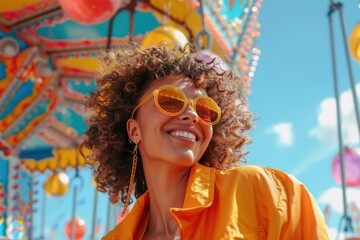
<point>297,215</point>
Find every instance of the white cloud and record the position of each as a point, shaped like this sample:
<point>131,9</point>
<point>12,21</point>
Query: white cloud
<point>326,130</point>
<point>284,133</point>
<point>334,198</point>
<point>334,234</point>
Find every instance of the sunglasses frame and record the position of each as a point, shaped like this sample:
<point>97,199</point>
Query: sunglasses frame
<point>155,94</point>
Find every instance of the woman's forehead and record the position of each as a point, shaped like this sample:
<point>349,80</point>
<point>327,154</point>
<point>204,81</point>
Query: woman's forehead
<point>184,83</point>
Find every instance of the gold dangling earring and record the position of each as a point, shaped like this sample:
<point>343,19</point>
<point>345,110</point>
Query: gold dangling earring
<point>132,180</point>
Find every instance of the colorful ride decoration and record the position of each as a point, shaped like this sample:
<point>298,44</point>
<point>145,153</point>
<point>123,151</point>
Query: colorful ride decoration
<point>52,159</point>
<point>78,226</point>
<point>2,209</point>
<point>354,42</point>
<point>5,149</point>
<point>26,81</point>
<point>57,184</point>
<point>20,200</point>
<point>41,117</point>
<point>91,11</point>
<point>352,167</point>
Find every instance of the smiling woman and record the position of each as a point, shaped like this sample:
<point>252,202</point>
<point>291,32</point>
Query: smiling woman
<point>171,128</point>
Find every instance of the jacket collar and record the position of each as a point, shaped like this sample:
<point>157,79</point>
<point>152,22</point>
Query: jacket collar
<point>199,196</point>
<point>200,189</point>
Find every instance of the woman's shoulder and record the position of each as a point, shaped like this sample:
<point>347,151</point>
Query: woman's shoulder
<point>273,199</point>
<point>255,171</point>
<point>260,177</point>
<point>267,187</point>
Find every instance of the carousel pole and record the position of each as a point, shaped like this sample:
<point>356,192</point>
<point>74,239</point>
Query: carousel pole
<point>202,39</point>
<point>110,29</point>
<point>93,230</point>
<point>349,67</point>
<point>334,7</point>
<point>129,7</point>
<point>108,219</point>
<point>131,19</point>
<point>31,206</point>
<point>43,216</point>
<point>74,201</point>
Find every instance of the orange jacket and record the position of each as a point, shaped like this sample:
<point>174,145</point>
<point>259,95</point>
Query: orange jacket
<point>246,202</point>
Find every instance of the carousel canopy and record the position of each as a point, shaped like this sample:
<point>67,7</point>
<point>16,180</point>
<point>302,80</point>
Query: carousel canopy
<point>48,60</point>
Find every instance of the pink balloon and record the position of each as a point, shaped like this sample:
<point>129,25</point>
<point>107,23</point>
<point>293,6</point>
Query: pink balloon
<point>90,11</point>
<point>352,167</point>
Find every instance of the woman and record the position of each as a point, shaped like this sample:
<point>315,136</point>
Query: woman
<point>171,128</point>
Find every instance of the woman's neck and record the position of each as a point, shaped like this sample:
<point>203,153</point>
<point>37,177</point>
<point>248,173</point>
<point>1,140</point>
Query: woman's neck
<point>167,188</point>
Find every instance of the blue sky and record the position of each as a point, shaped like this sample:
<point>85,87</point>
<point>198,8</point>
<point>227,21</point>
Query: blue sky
<point>293,96</point>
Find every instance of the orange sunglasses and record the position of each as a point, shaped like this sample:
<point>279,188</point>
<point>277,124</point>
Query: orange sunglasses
<point>172,101</point>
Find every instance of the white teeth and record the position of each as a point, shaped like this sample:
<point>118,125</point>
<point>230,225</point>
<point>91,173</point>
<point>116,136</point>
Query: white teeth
<point>183,134</point>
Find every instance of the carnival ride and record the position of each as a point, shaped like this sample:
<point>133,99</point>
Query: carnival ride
<point>48,59</point>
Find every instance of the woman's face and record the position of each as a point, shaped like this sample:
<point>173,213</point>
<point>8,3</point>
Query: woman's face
<point>180,140</point>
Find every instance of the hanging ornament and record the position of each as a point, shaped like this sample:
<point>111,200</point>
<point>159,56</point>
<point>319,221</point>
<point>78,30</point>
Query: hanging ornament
<point>57,184</point>
<point>352,167</point>
<point>354,42</point>
<point>91,12</point>
<point>170,35</point>
<point>42,68</point>
<point>211,57</point>
<point>9,47</point>
<point>79,228</point>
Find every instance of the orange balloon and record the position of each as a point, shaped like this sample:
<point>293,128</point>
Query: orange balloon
<point>171,35</point>
<point>354,42</point>
<point>79,228</point>
<point>57,184</point>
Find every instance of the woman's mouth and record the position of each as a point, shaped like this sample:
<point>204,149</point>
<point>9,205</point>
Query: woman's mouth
<point>184,134</point>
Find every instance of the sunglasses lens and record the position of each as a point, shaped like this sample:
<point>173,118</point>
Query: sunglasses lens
<point>207,110</point>
<point>171,100</point>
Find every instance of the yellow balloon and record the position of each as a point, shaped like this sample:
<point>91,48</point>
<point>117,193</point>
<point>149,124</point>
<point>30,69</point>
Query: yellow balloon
<point>171,35</point>
<point>354,42</point>
<point>57,184</point>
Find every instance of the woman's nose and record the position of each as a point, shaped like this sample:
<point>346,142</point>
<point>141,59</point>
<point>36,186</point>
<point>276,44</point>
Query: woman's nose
<point>189,114</point>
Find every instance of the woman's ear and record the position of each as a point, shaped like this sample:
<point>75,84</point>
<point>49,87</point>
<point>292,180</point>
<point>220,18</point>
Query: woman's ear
<point>133,130</point>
